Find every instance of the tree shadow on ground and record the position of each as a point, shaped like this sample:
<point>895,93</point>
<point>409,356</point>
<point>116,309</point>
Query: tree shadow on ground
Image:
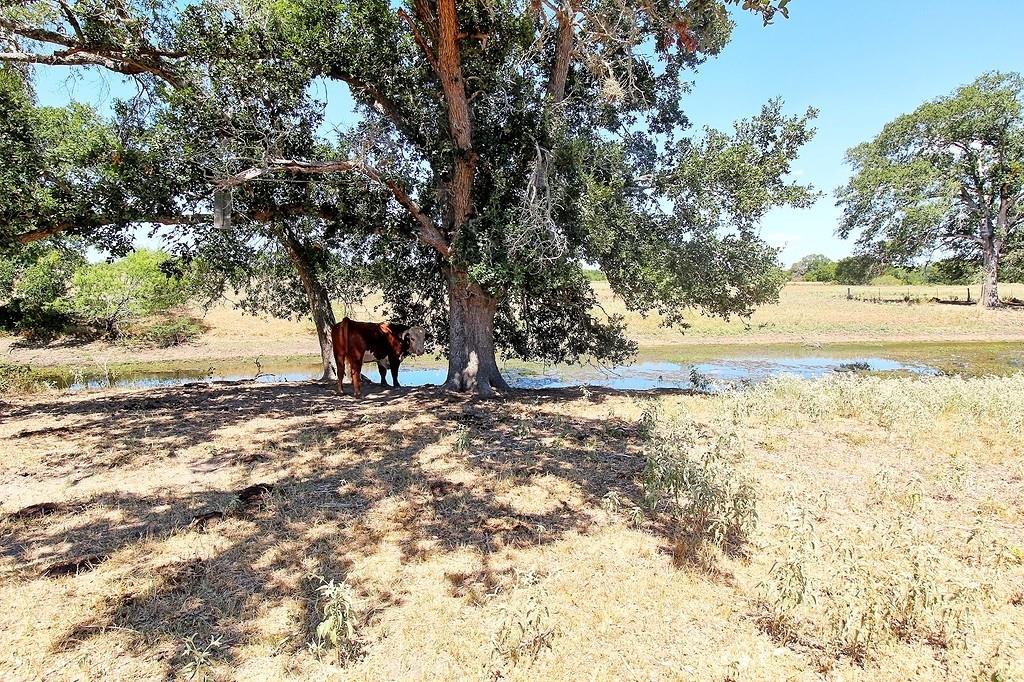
<point>420,469</point>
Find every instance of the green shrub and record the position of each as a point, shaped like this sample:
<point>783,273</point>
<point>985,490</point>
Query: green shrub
<point>108,296</point>
<point>52,292</point>
<point>164,332</point>
<point>691,479</point>
<point>14,378</point>
<point>38,308</point>
<point>20,379</point>
<point>887,280</point>
<point>908,275</point>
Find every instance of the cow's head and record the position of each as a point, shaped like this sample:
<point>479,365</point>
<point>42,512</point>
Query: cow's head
<point>413,339</point>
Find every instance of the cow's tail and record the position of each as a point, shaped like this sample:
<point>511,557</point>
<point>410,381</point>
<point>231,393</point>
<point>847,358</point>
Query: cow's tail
<point>340,343</point>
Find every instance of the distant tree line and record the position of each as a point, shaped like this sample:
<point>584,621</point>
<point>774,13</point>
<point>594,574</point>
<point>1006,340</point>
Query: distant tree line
<point>866,269</point>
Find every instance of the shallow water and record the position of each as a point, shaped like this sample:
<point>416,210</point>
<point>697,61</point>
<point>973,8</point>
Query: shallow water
<point>642,375</point>
<point>704,375</point>
<point>709,366</point>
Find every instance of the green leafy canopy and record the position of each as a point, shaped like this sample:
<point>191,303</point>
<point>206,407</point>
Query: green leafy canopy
<point>515,164</point>
<point>945,177</point>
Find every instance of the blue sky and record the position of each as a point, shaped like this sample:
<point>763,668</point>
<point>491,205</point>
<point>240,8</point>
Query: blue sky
<point>860,62</point>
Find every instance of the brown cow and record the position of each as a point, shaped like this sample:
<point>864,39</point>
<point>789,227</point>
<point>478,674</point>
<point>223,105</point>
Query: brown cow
<point>386,344</point>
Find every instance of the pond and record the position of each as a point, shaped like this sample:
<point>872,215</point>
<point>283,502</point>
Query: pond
<point>664,367</point>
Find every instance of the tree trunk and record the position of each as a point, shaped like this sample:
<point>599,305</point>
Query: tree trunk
<point>990,275</point>
<point>472,366</point>
<point>319,302</point>
<point>990,265</point>
<point>471,363</point>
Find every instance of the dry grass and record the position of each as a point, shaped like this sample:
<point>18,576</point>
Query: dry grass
<point>505,539</point>
<point>809,312</point>
<point>806,313</point>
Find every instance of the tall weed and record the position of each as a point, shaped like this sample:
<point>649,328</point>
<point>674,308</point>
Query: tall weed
<point>337,627</point>
<point>523,634</point>
<point>871,587</point>
<point>691,479</point>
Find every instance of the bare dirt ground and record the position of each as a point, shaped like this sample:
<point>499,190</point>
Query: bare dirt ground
<point>507,538</point>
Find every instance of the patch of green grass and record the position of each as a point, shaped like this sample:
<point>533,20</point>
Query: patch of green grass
<point>16,379</point>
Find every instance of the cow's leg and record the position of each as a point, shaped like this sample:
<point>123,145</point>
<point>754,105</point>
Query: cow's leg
<point>339,361</point>
<point>383,374</point>
<point>357,368</point>
<point>395,362</point>
<point>339,342</point>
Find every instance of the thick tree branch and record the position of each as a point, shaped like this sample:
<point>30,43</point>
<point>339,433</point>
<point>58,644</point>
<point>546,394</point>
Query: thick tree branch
<point>1011,204</point>
<point>143,58</point>
<point>425,47</point>
<point>128,67</point>
<point>427,232</point>
<point>452,80</point>
<point>563,54</point>
<point>43,35</point>
<point>459,123</point>
<point>427,16</point>
<point>60,227</point>
<point>40,35</point>
<point>73,20</point>
<point>965,195</point>
<point>257,215</point>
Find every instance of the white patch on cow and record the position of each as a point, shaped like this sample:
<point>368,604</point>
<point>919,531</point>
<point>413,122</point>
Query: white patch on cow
<point>383,362</point>
<point>417,338</point>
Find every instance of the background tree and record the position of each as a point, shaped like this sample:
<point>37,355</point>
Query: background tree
<point>519,140</point>
<point>816,263</point>
<point>69,172</point>
<point>949,176</point>
<point>61,169</point>
<point>1013,269</point>
<point>110,295</point>
<point>34,284</point>
<point>856,269</point>
<point>824,271</point>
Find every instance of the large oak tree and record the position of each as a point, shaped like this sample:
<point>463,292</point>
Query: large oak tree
<point>518,141</point>
<point>948,176</point>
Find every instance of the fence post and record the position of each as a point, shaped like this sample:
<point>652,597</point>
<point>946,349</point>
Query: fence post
<point>968,294</point>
